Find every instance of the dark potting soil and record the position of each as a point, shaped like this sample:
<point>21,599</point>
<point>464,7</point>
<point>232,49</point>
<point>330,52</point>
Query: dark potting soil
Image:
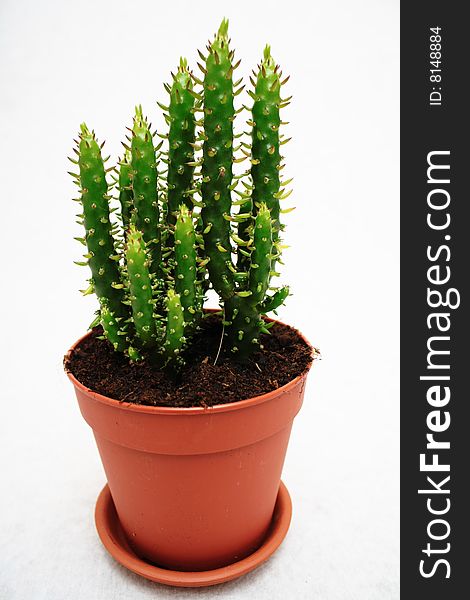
<point>200,383</point>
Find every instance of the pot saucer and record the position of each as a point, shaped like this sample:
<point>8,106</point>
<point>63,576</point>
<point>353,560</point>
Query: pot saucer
<point>113,539</point>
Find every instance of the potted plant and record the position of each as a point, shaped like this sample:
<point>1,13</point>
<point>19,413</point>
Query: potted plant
<point>191,409</point>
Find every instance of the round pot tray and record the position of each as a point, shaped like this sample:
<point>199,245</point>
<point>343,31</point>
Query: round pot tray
<point>113,539</point>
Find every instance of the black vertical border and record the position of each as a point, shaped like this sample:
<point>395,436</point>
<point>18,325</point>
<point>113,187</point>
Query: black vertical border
<point>426,128</point>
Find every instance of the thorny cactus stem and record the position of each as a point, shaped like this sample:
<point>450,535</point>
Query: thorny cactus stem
<point>101,256</point>
<point>266,141</point>
<point>242,291</point>
<point>140,289</point>
<point>186,284</point>
<point>181,142</point>
<point>112,331</point>
<point>217,159</point>
<point>144,187</point>
<point>272,302</point>
<point>174,335</point>
<point>260,260</point>
<point>125,190</point>
<point>244,318</point>
<point>266,158</point>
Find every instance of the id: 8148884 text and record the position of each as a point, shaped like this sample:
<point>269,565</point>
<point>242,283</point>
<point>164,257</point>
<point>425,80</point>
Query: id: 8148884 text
<point>435,71</point>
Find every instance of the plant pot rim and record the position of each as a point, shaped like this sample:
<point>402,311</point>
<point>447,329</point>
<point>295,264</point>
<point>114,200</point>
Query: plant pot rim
<point>196,410</point>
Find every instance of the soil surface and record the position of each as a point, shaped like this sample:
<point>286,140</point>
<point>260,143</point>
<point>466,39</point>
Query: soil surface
<point>200,383</point>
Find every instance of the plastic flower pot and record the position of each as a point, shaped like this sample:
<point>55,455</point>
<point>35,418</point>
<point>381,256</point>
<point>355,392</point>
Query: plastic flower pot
<point>194,488</point>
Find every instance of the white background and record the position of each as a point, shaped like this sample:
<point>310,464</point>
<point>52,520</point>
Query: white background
<point>63,62</point>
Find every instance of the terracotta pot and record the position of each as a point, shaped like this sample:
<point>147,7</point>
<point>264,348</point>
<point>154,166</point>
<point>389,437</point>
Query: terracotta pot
<point>194,488</point>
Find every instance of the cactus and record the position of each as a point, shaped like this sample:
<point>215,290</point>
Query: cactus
<point>112,331</point>
<point>243,317</point>
<point>217,159</point>
<point>101,256</point>
<point>151,293</point>
<point>266,140</point>
<point>181,141</point>
<point>243,311</point>
<point>125,190</point>
<point>242,288</point>
<point>186,284</point>
<point>123,279</point>
<point>270,303</point>
<point>144,187</point>
<point>266,158</point>
<point>140,288</point>
<point>175,328</point>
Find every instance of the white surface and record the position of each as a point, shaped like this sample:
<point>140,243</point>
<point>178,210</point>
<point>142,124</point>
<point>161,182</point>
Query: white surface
<point>63,62</point>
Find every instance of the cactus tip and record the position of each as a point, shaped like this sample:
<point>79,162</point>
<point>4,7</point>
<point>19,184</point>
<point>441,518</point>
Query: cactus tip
<point>268,61</point>
<point>223,29</point>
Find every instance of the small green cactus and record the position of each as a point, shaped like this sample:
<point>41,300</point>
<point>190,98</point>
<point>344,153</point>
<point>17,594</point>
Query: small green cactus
<point>186,270</point>
<point>266,158</point>
<point>216,173</point>
<point>148,265</point>
<point>101,251</point>
<point>143,174</point>
<point>125,189</point>
<point>175,328</point>
<point>181,141</point>
<point>140,288</point>
<point>112,330</point>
